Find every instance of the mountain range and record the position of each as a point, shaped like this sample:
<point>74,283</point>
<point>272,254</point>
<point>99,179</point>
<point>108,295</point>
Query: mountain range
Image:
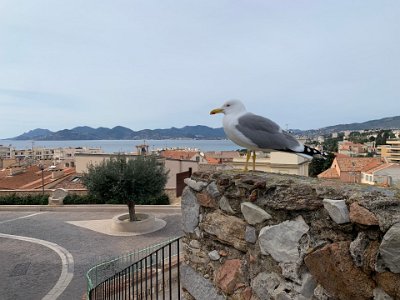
<point>122,133</point>
<point>187,132</point>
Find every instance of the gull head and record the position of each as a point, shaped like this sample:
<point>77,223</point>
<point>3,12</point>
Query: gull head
<point>229,107</point>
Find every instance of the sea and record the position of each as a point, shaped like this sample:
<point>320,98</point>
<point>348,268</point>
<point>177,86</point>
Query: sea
<point>128,146</point>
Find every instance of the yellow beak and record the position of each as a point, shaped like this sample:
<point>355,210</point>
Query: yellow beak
<point>216,111</point>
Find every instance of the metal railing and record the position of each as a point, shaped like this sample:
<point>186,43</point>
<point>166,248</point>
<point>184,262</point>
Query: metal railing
<point>152,276</point>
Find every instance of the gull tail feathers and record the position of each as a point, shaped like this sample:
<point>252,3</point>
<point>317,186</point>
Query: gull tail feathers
<point>313,152</point>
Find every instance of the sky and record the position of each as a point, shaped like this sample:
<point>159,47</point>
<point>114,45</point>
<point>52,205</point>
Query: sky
<point>161,64</point>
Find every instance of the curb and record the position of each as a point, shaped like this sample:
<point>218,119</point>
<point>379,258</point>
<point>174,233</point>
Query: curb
<point>91,208</point>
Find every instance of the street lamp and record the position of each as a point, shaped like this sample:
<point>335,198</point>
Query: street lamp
<point>41,167</point>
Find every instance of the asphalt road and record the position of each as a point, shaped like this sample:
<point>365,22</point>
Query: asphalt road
<point>30,269</point>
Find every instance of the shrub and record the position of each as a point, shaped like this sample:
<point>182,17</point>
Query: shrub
<point>13,199</point>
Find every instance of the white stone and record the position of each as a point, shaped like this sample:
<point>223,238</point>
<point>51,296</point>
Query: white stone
<point>196,185</point>
<point>214,255</point>
<point>337,210</point>
<point>253,214</point>
<point>282,241</point>
<point>390,248</point>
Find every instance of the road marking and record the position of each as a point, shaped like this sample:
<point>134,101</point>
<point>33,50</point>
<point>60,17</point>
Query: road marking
<point>23,217</point>
<point>67,264</point>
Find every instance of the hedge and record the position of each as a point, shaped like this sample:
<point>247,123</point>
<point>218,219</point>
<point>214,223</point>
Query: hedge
<point>13,199</point>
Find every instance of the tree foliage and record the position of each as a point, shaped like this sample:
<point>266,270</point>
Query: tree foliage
<point>319,164</point>
<point>127,180</point>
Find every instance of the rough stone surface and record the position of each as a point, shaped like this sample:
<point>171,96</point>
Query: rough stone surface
<point>250,235</point>
<point>214,255</point>
<point>195,185</point>
<point>308,286</point>
<point>337,210</point>
<point>267,285</point>
<point>212,189</point>
<point>333,267</point>
<point>282,241</point>
<point>361,215</point>
<point>358,247</point>
<point>319,259</point>
<point>195,244</point>
<point>390,248</point>
<point>204,199</point>
<point>227,229</point>
<point>229,275</point>
<point>190,210</point>
<point>253,214</point>
<point>390,283</point>
<point>225,206</point>
<point>197,285</point>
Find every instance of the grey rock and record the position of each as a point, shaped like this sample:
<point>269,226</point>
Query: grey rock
<point>390,248</point>
<point>357,248</point>
<point>198,232</point>
<point>290,270</point>
<point>197,285</point>
<point>250,235</point>
<point>308,286</point>
<point>337,210</point>
<point>214,255</point>
<point>212,189</point>
<point>190,211</point>
<point>195,244</point>
<point>380,294</point>
<point>195,185</point>
<point>267,285</point>
<point>282,241</point>
<point>225,206</point>
<point>320,293</point>
<point>253,214</point>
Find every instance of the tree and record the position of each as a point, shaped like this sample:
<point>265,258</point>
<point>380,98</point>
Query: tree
<point>320,164</point>
<point>126,179</point>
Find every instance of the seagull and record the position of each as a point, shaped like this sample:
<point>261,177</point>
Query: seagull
<point>257,133</point>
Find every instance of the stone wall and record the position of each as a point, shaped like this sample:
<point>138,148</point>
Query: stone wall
<point>267,236</point>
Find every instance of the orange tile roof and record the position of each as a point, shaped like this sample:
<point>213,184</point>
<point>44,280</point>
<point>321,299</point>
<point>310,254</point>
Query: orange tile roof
<point>330,173</point>
<point>355,164</point>
<point>382,167</point>
<point>212,161</point>
<point>178,154</point>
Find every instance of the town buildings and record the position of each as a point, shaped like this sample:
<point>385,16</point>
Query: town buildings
<point>391,151</point>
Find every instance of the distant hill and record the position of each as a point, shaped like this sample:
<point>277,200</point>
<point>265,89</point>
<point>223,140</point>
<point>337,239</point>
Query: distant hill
<point>385,123</point>
<point>187,132</point>
<point>123,133</point>
<point>34,134</point>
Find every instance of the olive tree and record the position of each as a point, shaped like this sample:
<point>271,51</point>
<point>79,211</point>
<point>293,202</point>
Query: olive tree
<point>126,179</point>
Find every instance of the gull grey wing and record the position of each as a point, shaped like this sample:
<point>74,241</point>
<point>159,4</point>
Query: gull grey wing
<point>265,133</point>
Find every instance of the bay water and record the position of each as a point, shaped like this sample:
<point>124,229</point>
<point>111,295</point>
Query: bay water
<point>127,146</point>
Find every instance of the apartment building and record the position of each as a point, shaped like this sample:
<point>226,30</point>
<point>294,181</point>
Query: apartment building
<point>276,162</point>
<point>391,151</point>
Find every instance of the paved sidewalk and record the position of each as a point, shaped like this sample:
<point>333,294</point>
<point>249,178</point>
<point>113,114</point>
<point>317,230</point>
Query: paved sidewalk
<point>29,271</point>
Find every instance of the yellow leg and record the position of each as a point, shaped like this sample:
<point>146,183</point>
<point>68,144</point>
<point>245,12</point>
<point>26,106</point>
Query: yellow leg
<point>254,160</point>
<point>247,160</point>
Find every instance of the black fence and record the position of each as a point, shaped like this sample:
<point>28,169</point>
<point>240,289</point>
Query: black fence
<point>155,276</point>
